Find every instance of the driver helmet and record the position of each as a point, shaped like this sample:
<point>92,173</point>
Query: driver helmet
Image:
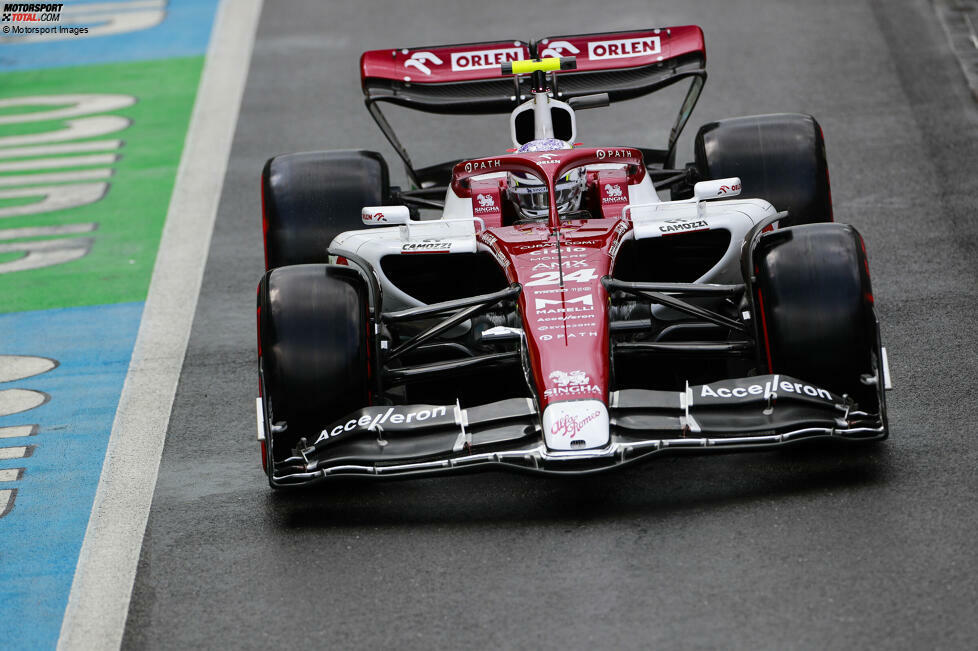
<point>529,194</point>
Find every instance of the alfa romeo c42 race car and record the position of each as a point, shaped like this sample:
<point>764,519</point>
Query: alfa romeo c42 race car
<point>559,315</point>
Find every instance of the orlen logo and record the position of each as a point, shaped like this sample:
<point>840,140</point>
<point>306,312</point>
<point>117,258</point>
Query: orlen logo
<point>559,49</point>
<point>725,189</point>
<point>421,59</point>
<point>569,425</point>
<point>623,48</point>
<point>482,59</point>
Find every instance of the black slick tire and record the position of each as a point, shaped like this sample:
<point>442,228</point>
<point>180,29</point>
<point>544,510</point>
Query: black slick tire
<point>314,349</point>
<point>779,158</point>
<point>309,198</point>
<point>813,307</point>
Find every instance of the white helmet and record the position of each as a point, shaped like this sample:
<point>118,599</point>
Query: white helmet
<point>529,194</point>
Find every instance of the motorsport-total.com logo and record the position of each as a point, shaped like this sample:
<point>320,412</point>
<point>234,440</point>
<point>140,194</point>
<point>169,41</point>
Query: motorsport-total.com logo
<point>26,14</point>
<point>31,13</point>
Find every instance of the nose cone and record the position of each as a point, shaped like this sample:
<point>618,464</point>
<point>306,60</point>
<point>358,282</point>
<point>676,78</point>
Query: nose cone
<point>576,425</point>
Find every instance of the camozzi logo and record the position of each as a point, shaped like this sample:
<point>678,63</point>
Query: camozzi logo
<point>31,13</point>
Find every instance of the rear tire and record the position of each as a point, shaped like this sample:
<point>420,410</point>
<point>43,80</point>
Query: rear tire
<point>310,198</point>
<point>779,158</point>
<point>813,306</point>
<point>313,333</point>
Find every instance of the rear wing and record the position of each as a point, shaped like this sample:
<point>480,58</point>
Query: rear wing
<point>466,79</point>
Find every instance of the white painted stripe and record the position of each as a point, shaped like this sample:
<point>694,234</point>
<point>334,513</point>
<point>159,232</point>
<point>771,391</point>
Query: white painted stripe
<point>80,104</point>
<point>14,401</point>
<point>43,231</point>
<point>59,177</point>
<point>16,431</point>
<point>99,600</point>
<point>7,501</point>
<point>17,452</point>
<point>59,161</point>
<point>51,150</point>
<point>19,367</point>
<point>86,127</point>
<point>11,474</point>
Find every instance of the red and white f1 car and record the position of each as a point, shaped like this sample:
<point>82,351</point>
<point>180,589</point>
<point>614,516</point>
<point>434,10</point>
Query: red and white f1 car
<point>558,315</point>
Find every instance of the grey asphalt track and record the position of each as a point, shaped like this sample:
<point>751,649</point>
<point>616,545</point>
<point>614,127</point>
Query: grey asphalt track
<point>812,549</point>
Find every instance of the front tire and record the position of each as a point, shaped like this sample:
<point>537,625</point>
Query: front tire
<point>813,306</point>
<point>313,356</point>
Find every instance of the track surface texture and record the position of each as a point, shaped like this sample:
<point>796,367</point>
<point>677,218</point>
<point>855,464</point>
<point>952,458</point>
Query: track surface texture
<point>809,548</point>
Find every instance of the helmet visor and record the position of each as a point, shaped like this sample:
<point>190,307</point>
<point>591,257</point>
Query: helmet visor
<point>533,200</point>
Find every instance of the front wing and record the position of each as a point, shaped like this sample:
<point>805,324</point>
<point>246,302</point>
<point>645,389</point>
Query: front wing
<point>415,440</point>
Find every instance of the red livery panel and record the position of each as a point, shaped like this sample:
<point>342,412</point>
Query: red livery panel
<point>564,304</point>
<point>612,51</point>
<point>446,63</point>
<point>480,61</point>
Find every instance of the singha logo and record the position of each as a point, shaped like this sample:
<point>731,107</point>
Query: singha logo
<point>486,201</point>
<point>572,379</point>
<point>613,190</point>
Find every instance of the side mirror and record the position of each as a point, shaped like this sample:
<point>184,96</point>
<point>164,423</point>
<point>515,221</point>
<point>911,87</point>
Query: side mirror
<point>718,189</point>
<point>385,215</point>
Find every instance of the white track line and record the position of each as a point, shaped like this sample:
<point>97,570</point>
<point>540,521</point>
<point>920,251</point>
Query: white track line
<point>98,604</point>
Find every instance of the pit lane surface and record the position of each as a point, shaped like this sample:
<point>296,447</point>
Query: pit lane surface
<point>809,548</point>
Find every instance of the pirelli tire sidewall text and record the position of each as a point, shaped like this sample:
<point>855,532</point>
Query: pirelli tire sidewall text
<point>314,349</point>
